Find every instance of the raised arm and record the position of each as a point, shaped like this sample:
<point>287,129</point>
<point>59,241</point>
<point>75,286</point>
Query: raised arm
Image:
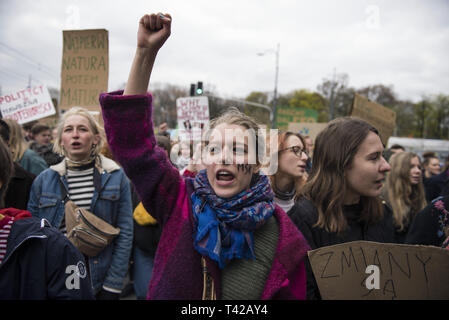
<point>128,123</point>
<point>154,30</point>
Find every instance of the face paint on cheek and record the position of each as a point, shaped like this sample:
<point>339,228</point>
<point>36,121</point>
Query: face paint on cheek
<point>246,168</point>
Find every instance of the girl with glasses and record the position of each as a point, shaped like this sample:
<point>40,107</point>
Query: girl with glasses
<point>291,172</point>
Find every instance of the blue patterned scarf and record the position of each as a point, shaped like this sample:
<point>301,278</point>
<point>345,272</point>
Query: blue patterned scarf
<point>224,227</point>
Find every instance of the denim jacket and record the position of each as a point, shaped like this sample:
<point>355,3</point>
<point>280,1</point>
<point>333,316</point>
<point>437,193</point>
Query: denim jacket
<point>112,204</point>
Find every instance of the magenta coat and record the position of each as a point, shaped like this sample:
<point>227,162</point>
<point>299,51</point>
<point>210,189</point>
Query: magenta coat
<point>177,272</point>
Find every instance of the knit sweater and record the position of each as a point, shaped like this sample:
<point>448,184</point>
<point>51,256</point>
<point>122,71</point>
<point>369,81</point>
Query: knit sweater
<point>177,272</point>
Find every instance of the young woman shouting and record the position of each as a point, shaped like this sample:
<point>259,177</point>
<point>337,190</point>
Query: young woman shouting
<point>222,237</point>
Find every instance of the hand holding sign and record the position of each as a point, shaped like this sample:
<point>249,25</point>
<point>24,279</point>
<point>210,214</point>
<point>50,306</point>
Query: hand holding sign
<point>154,30</point>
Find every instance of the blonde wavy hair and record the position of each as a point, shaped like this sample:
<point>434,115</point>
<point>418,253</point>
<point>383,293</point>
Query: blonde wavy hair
<point>17,142</point>
<point>405,199</point>
<point>93,125</point>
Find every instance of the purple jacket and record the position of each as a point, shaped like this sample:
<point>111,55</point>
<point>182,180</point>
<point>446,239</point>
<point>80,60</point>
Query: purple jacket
<point>177,272</point>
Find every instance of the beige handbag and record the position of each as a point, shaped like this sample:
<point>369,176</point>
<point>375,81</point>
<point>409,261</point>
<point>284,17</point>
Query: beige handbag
<point>88,233</point>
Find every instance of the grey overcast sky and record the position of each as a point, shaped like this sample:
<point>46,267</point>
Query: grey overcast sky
<point>403,43</point>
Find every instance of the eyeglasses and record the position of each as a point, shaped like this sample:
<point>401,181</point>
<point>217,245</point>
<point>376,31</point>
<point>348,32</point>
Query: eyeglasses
<point>296,150</point>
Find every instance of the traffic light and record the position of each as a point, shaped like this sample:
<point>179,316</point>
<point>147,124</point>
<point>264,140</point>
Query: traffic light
<point>192,89</point>
<point>199,88</point>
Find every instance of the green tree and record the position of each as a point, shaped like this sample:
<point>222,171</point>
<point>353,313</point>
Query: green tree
<point>312,100</point>
<point>260,115</point>
<point>422,110</point>
<point>438,117</point>
<point>405,118</point>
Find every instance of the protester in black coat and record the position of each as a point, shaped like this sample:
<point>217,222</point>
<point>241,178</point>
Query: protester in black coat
<point>36,260</point>
<point>19,186</point>
<point>340,200</point>
<point>41,264</point>
<point>437,185</point>
<point>305,216</point>
<point>431,225</point>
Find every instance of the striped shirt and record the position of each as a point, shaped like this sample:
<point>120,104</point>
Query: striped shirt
<point>80,182</point>
<point>4,234</point>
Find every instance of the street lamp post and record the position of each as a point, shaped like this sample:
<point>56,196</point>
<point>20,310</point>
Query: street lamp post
<point>275,95</point>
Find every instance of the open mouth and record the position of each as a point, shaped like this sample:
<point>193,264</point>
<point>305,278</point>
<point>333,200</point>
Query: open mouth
<point>76,144</point>
<point>380,181</point>
<point>225,176</point>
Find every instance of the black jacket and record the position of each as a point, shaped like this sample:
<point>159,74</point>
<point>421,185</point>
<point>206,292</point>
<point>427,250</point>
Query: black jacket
<point>429,224</point>
<point>47,153</point>
<point>36,261</point>
<point>437,185</point>
<point>19,188</point>
<point>304,215</point>
<point>146,238</point>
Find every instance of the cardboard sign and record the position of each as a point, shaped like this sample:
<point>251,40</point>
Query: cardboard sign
<point>27,105</point>
<point>405,271</point>
<point>285,115</point>
<point>380,117</point>
<point>193,117</point>
<point>307,129</point>
<point>84,71</point>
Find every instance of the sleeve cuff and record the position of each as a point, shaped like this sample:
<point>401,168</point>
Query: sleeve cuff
<point>112,290</point>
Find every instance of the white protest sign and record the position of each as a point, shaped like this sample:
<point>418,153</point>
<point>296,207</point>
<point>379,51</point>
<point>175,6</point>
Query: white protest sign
<point>27,105</point>
<point>193,117</point>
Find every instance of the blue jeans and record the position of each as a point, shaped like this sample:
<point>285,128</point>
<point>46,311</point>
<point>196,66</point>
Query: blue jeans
<point>143,269</point>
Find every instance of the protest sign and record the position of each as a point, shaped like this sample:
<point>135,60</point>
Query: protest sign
<point>380,117</point>
<point>285,115</point>
<point>307,129</point>
<point>84,72</point>
<point>347,271</point>
<point>193,117</point>
<point>27,104</point>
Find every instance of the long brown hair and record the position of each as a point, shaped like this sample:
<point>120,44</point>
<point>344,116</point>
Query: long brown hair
<point>335,149</point>
<point>405,199</point>
<point>282,139</point>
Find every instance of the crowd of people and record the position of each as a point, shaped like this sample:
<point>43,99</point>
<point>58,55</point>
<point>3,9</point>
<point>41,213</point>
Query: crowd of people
<point>210,222</point>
